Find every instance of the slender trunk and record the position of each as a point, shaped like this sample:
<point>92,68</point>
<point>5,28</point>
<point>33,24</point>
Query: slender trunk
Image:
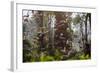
<point>86,28</point>
<point>81,30</point>
<point>89,15</point>
<point>87,44</point>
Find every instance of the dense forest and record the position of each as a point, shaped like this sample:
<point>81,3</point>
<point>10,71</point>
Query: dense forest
<point>56,36</point>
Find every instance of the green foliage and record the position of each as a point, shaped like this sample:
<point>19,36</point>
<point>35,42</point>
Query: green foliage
<point>84,57</point>
<point>77,19</point>
<point>58,55</point>
<point>45,57</point>
<point>34,56</point>
<point>27,56</point>
<point>80,56</point>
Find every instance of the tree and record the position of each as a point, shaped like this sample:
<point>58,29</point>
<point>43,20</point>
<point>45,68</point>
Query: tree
<point>63,32</point>
<point>87,43</point>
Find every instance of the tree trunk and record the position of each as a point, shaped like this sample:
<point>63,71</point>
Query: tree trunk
<point>87,44</point>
